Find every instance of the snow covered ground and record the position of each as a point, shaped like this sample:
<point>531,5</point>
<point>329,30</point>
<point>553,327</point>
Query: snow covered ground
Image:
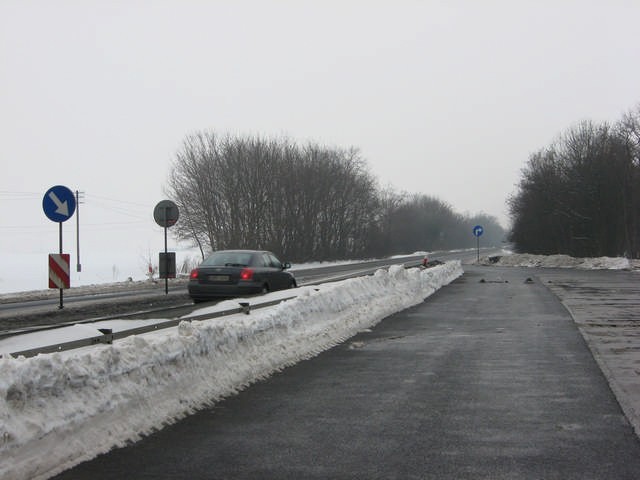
<point>57,410</point>
<point>509,259</point>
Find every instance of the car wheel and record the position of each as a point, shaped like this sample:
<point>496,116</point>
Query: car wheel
<point>265,289</point>
<point>293,284</point>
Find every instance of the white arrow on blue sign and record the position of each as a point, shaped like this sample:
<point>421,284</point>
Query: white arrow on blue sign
<point>59,203</point>
<point>478,230</point>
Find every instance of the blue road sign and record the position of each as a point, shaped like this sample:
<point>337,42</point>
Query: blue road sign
<point>478,230</point>
<point>59,203</point>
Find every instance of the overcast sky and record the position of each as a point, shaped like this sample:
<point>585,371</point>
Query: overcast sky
<point>446,98</point>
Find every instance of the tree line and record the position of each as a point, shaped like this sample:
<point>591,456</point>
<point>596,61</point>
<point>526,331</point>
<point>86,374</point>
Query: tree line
<point>306,202</point>
<point>581,195</point>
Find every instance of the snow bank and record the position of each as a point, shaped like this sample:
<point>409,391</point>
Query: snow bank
<point>560,261</point>
<point>61,409</point>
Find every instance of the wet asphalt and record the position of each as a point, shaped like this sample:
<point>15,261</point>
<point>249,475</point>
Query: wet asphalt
<point>487,379</point>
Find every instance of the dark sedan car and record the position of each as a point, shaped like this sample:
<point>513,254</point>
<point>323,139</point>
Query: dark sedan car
<point>228,273</point>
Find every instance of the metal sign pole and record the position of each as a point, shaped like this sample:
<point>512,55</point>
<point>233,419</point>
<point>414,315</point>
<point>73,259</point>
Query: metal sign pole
<point>166,264</point>
<point>477,232</point>
<point>166,214</point>
<point>61,306</point>
<point>59,204</point>
<point>78,265</point>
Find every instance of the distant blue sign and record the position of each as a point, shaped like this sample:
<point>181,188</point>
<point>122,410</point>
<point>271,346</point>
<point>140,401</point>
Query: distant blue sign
<point>59,204</point>
<point>478,230</point>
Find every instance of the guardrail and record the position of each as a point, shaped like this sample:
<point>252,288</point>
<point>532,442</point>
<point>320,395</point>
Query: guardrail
<point>108,336</point>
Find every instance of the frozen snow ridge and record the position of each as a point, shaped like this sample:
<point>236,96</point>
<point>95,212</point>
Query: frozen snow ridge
<point>560,261</point>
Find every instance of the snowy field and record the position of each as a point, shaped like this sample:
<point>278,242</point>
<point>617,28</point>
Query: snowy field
<point>60,409</point>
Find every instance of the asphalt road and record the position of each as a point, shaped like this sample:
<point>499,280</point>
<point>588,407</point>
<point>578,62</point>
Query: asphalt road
<point>485,380</point>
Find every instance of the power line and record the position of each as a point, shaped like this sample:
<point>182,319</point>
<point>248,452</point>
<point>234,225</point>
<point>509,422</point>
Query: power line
<point>7,195</point>
<point>25,227</point>
<point>114,200</point>
<point>120,207</point>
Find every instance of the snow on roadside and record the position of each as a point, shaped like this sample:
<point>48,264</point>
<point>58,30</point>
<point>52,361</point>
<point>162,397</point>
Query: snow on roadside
<point>60,409</point>
<point>560,261</point>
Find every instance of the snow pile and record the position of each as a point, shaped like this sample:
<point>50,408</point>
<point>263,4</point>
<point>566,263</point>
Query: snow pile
<point>560,261</point>
<point>61,409</point>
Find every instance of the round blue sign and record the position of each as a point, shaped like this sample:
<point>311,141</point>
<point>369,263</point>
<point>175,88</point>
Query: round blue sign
<point>478,230</point>
<point>59,203</point>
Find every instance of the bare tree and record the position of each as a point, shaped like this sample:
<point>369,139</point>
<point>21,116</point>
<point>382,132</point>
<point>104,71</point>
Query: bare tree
<point>580,195</point>
<point>249,192</point>
<point>308,202</point>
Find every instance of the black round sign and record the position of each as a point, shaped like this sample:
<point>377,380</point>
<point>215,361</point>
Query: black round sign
<point>166,213</point>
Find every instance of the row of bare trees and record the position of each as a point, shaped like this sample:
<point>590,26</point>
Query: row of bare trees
<point>306,202</point>
<point>581,195</point>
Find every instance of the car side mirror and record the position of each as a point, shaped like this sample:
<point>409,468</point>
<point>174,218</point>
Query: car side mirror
<point>286,265</point>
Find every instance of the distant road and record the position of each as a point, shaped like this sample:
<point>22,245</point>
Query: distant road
<point>487,379</point>
<point>100,303</point>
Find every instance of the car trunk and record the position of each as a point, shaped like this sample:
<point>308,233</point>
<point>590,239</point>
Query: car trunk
<point>219,275</point>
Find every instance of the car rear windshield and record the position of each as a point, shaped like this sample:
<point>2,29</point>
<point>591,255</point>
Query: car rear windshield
<point>228,259</point>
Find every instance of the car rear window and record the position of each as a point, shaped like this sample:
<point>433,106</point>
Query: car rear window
<point>228,259</point>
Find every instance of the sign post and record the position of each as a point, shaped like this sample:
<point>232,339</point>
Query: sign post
<point>59,204</point>
<point>478,230</point>
<point>166,215</point>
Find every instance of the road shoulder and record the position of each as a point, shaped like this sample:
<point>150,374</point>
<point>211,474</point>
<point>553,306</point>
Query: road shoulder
<point>605,305</point>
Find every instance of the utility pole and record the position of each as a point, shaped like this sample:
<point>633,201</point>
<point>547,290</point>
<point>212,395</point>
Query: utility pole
<point>79,198</point>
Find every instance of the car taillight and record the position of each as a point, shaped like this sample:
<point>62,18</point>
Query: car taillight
<point>246,274</point>
<point>194,274</point>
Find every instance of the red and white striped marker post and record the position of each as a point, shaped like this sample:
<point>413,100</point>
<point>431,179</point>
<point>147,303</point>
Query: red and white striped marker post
<point>59,272</point>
